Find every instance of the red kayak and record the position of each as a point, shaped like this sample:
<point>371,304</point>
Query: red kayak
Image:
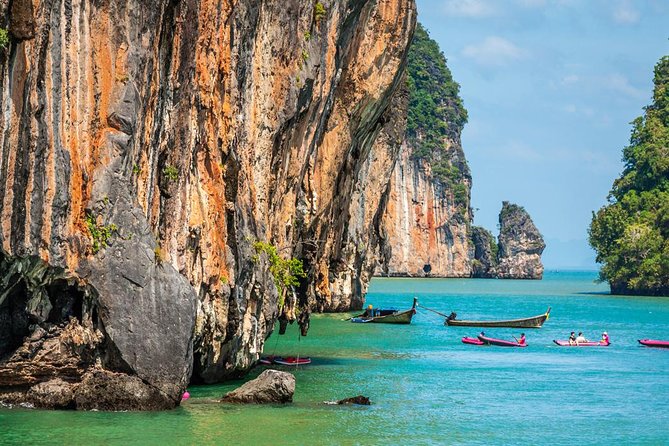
<point>472,341</point>
<point>291,361</point>
<point>280,360</point>
<point>581,344</point>
<point>654,343</point>
<point>500,342</point>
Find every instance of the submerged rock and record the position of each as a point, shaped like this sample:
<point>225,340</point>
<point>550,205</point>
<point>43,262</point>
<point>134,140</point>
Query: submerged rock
<point>520,245</point>
<point>271,386</point>
<point>359,400</point>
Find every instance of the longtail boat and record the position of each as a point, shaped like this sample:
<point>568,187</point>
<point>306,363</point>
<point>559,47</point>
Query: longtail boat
<point>654,343</point>
<point>530,322</point>
<point>390,316</point>
<point>581,344</point>
<point>500,342</point>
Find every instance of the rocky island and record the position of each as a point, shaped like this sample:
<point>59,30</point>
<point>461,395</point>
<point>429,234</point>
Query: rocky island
<point>426,229</point>
<point>631,233</point>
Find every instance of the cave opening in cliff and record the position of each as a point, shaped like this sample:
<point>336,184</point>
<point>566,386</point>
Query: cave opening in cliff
<point>14,320</point>
<point>66,300</point>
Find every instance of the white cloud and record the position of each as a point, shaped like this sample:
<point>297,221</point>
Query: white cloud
<point>512,150</point>
<point>532,3</point>
<point>570,79</point>
<point>625,13</point>
<point>619,83</point>
<point>590,160</point>
<point>494,51</point>
<point>577,110</point>
<point>469,8</point>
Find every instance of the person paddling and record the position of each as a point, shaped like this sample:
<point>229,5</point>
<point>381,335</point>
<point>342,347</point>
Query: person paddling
<point>521,341</point>
<point>580,338</point>
<point>605,338</point>
<point>572,338</point>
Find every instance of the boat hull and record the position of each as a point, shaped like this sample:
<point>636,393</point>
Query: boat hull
<point>280,360</point>
<point>292,361</point>
<point>581,344</point>
<point>500,342</point>
<point>654,343</point>
<point>472,341</point>
<point>388,316</point>
<point>530,322</point>
<point>402,317</point>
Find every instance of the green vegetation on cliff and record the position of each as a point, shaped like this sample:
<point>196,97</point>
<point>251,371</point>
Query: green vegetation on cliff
<point>631,233</point>
<point>4,38</point>
<point>285,272</point>
<point>436,113</point>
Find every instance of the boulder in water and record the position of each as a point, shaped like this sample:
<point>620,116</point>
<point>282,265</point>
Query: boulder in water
<point>272,386</point>
<point>359,400</point>
<point>53,394</point>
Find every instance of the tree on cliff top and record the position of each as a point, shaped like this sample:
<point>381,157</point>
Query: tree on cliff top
<point>631,233</point>
<point>436,114</point>
<point>435,108</point>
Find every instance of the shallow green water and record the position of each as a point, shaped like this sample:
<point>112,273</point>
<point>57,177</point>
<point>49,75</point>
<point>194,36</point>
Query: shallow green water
<point>427,387</point>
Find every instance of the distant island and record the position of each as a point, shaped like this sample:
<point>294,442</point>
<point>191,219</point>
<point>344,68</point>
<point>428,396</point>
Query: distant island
<point>631,233</point>
<point>427,225</point>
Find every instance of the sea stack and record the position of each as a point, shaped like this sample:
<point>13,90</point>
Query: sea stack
<point>520,245</point>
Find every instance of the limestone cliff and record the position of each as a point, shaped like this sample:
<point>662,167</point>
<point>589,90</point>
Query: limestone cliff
<point>485,253</point>
<point>144,147</point>
<point>425,228</point>
<point>520,245</point>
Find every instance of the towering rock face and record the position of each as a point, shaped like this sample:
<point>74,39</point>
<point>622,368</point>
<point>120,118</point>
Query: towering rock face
<point>144,147</point>
<point>425,229</point>
<point>520,245</point>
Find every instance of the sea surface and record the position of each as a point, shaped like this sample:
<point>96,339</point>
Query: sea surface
<point>426,386</point>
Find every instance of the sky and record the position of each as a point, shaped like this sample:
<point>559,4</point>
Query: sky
<point>550,88</point>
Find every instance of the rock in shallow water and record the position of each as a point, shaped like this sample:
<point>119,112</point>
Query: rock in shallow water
<point>359,400</point>
<point>272,386</point>
<point>104,390</point>
<point>53,394</point>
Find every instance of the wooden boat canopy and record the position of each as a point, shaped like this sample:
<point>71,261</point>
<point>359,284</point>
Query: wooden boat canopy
<point>530,322</point>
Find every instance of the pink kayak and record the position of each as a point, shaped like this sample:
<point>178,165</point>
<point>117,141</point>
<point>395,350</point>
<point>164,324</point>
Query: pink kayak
<point>289,360</point>
<point>500,342</point>
<point>472,341</point>
<point>581,344</point>
<point>654,343</point>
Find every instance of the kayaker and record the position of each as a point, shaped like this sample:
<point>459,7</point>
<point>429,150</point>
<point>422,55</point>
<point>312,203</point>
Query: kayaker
<point>605,338</point>
<point>370,311</point>
<point>580,338</point>
<point>572,338</point>
<point>522,339</point>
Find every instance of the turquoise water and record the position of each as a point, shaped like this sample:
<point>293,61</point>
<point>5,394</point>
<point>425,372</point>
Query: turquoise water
<point>427,387</point>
